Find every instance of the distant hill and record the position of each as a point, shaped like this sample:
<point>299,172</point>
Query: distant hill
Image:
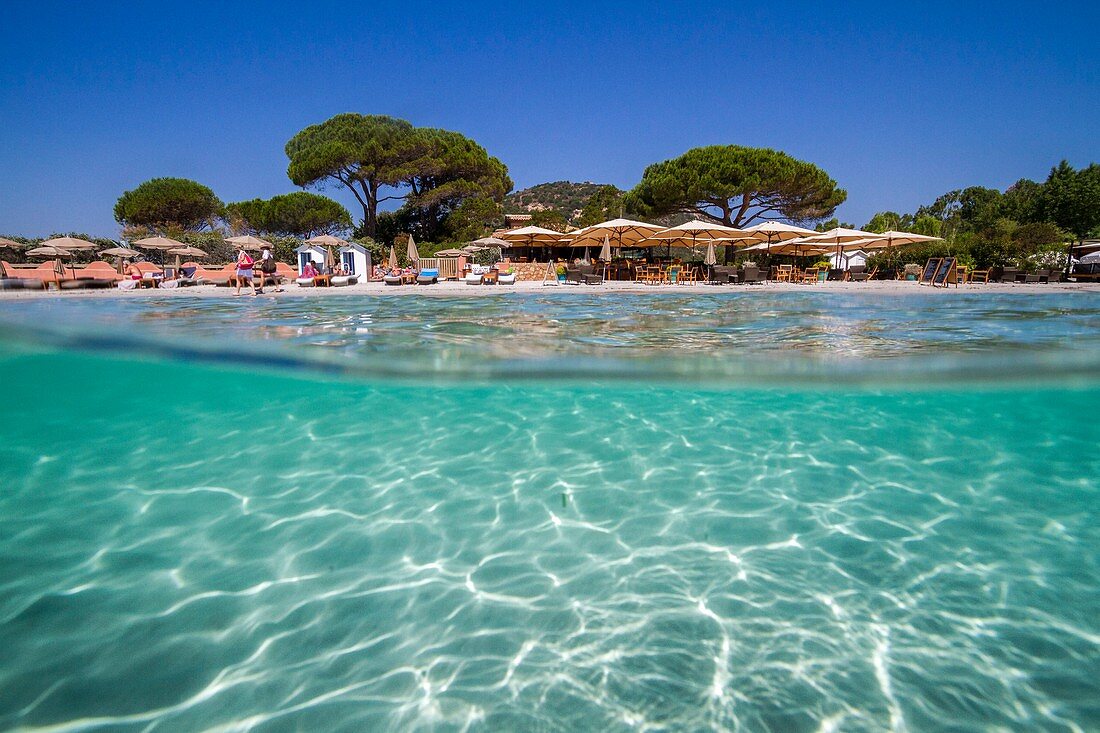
<point>564,196</point>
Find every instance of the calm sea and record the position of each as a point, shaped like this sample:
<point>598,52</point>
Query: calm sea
<point>759,511</point>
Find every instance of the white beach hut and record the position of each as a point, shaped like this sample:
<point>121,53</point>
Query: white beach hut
<point>310,252</point>
<point>356,260</point>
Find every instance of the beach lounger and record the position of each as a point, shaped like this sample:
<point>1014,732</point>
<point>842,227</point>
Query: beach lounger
<point>427,277</point>
<point>392,279</point>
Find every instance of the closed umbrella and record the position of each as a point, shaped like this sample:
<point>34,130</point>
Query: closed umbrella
<point>414,256</point>
<point>605,250</point>
<point>393,259</point>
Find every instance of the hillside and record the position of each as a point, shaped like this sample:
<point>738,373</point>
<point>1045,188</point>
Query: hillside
<point>565,196</point>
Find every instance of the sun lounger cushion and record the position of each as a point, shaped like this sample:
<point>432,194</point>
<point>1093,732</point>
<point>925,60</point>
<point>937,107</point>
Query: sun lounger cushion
<point>509,279</point>
<point>305,282</point>
<point>392,279</point>
<point>340,280</point>
<point>473,279</point>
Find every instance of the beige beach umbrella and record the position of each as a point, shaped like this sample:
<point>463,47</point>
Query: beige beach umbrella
<point>122,254</point>
<point>159,243</point>
<point>772,232</point>
<point>795,247</point>
<point>186,252</point>
<point>624,232</point>
<point>530,235</point>
<point>451,252</point>
<point>412,253</point>
<point>393,259</point>
<point>838,236</point>
<point>5,242</point>
<point>69,244</point>
<point>247,241</point>
<point>489,242</point>
<point>50,251</point>
<point>327,240</point>
<point>690,234</point>
<point>896,239</point>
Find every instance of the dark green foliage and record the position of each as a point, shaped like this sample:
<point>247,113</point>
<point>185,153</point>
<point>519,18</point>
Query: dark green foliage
<point>606,203</point>
<point>473,219</point>
<point>1071,199</point>
<point>432,171</point>
<point>169,202</point>
<point>736,186</point>
<point>833,223</point>
<point>298,214</point>
<point>885,221</point>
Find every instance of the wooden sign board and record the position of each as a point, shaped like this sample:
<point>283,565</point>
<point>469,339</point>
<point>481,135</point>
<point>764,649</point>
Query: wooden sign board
<point>945,273</point>
<point>930,269</point>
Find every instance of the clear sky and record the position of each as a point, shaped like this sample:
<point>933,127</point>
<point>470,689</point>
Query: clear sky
<point>898,102</point>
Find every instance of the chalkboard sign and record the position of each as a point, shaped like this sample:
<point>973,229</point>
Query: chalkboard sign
<point>930,269</point>
<point>947,267</point>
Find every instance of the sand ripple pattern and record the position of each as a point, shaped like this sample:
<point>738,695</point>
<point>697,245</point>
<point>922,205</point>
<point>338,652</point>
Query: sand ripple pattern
<point>186,548</point>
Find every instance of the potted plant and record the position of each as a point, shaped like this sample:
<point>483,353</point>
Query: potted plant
<point>822,267</point>
<point>561,273</point>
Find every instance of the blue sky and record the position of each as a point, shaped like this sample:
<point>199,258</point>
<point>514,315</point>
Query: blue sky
<point>899,104</point>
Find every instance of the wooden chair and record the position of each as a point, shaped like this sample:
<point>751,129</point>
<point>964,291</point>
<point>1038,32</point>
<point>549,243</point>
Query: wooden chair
<point>784,274</point>
<point>810,275</point>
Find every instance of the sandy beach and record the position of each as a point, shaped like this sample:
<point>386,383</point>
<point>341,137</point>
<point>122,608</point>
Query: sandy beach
<point>460,289</point>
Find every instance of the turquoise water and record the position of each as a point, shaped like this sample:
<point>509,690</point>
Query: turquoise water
<point>778,512</point>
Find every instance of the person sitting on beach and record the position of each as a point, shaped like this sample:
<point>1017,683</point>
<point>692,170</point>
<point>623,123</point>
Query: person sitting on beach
<point>309,270</point>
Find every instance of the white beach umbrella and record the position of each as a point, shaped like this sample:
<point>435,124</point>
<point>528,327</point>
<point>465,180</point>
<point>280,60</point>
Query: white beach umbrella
<point>393,259</point>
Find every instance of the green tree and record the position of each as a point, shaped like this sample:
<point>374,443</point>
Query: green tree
<point>364,153</point>
<point>449,168</point>
<point>833,223</point>
<point>885,221</point>
<point>1021,201</point>
<point>735,186</point>
<point>169,202</point>
<point>473,219</point>
<point>300,214</point>
<point>432,171</point>
<point>1071,199</point>
<point>606,203</point>
<point>968,209</point>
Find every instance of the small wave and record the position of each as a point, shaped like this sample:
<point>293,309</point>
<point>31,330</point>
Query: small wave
<point>709,341</point>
